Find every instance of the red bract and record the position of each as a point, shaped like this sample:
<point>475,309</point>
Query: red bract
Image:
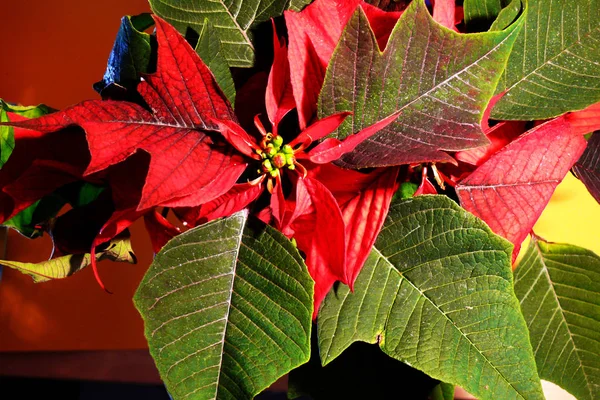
<point>444,12</point>
<point>500,135</point>
<point>364,201</point>
<point>314,32</point>
<point>585,121</point>
<point>311,214</point>
<point>188,166</point>
<point>510,190</point>
<point>236,199</point>
<point>160,230</point>
<point>41,163</point>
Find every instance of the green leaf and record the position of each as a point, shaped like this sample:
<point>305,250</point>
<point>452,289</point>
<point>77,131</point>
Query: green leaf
<point>440,80</point>
<point>480,14</point>
<point>62,267</point>
<point>82,193</point>
<point>233,21</point>
<point>554,66</point>
<point>131,53</point>
<point>7,139</point>
<point>76,194</point>
<point>443,391</point>
<point>436,293</point>
<point>298,5</point>
<point>559,289</point>
<point>227,310</point>
<point>210,50</point>
<point>26,222</point>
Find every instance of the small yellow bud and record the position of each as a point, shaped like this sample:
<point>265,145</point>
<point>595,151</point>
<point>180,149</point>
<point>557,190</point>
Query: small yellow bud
<point>271,151</point>
<point>267,166</point>
<point>277,141</point>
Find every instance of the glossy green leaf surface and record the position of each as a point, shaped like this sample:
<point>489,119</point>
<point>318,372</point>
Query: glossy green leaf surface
<point>555,63</point>
<point>233,21</point>
<point>437,294</point>
<point>440,80</point>
<point>210,50</point>
<point>7,139</point>
<point>62,267</point>
<point>227,309</point>
<point>558,286</point>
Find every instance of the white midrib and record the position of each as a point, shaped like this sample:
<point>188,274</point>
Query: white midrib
<point>562,315</point>
<point>449,320</point>
<point>548,61</point>
<point>220,364</point>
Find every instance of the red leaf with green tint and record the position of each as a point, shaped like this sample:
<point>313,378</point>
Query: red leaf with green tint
<point>439,80</point>
<point>314,32</point>
<point>187,164</point>
<point>510,190</point>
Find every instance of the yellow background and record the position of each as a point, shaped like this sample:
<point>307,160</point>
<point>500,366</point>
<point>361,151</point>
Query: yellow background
<point>572,216</point>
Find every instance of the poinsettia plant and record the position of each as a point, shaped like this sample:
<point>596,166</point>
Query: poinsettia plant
<point>316,174</point>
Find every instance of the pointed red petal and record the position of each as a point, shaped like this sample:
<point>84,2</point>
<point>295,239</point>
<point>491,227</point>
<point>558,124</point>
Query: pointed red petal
<point>426,187</point>
<point>236,199</point>
<point>364,216</point>
<point>500,135</point>
<point>296,205</point>
<point>364,200</point>
<point>320,235</point>
<point>320,129</point>
<point>510,190</point>
<point>331,149</point>
<point>278,203</point>
<point>279,97</point>
<point>587,120</point>
<point>159,229</point>
<point>238,138</point>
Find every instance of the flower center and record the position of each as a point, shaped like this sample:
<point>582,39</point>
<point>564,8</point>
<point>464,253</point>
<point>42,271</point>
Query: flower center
<point>275,155</point>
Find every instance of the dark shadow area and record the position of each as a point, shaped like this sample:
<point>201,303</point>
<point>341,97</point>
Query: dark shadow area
<point>34,389</point>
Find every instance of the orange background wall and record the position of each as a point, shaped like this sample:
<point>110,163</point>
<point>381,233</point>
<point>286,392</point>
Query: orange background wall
<point>52,52</point>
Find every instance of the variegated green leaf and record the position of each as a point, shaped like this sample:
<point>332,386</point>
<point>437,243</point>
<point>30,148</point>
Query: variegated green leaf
<point>555,63</point>
<point>558,286</point>
<point>227,309</point>
<point>437,293</point>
